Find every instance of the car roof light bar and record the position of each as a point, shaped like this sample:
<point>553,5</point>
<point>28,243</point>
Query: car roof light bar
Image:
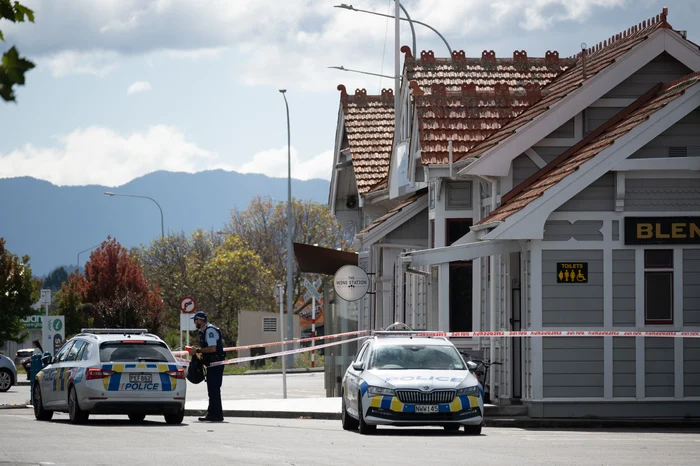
<point>114,331</point>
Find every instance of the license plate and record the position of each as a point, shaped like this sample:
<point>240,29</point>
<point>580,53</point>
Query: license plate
<point>426,409</point>
<point>141,378</point>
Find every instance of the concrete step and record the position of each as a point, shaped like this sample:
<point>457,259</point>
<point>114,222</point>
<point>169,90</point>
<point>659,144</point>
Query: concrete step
<point>505,410</point>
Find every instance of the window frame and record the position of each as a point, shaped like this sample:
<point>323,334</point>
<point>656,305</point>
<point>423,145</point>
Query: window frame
<point>657,270</point>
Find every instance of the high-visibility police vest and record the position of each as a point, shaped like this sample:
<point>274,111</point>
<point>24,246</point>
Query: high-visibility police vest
<point>220,353</point>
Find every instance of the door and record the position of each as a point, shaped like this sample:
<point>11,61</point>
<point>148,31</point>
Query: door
<point>352,382</point>
<point>50,384</point>
<point>66,369</point>
<point>461,296</point>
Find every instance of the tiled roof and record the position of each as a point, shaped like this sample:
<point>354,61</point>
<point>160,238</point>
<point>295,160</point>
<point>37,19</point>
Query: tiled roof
<point>369,125</point>
<point>597,59</point>
<point>405,203</point>
<point>599,140</point>
<point>466,99</point>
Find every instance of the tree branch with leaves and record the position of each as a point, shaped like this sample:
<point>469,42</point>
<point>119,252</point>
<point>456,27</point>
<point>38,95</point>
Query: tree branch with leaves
<point>13,67</point>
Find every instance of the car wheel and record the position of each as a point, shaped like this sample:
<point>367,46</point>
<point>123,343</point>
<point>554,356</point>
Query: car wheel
<point>365,429</point>
<point>349,422</point>
<point>137,417</point>
<point>452,427</point>
<point>472,430</point>
<point>75,414</point>
<point>40,413</point>
<point>6,380</point>
<point>175,418</point>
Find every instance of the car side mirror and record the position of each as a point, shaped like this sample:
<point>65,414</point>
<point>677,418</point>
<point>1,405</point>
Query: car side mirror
<point>358,366</point>
<point>46,359</point>
<point>471,365</point>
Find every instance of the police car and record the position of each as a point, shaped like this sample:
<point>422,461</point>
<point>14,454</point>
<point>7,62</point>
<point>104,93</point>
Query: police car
<point>401,378</point>
<point>111,371</point>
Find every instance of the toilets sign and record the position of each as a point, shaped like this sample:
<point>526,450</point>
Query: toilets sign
<point>351,283</point>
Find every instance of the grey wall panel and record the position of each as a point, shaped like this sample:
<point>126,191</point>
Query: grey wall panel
<point>659,367</point>
<point>572,367</point>
<point>624,369</point>
<point>651,195</point>
<point>624,288</point>
<point>691,367</point>
<point>572,304</point>
<point>662,69</point>
<point>685,133</point>
<point>691,287</point>
<point>598,197</point>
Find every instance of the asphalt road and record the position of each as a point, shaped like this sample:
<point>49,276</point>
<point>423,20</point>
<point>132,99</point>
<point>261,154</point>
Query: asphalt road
<point>113,440</point>
<point>235,387</point>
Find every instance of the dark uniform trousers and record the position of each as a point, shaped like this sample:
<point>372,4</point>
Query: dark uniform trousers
<point>215,374</point>
<point>215,377</point>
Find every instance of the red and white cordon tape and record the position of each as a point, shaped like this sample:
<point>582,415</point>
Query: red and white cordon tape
<point>486,334</point>
<point>272,355</point>
<point>288,342</point>
<point>556,333</point>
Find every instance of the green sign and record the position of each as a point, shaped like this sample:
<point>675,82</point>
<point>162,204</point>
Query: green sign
<point>57,325</point>
<point>32,321</point>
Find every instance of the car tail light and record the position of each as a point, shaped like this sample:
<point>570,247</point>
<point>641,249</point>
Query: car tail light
<point>94,373</point>
<point>133,341</point>
<point>177,373</point>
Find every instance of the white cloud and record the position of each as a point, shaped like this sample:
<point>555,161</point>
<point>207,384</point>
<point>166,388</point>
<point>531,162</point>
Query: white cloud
<point>97,155</point>
<point>98,63</point>
<point>274,163</point>
<point>138,86</point>
<point>291,42</point>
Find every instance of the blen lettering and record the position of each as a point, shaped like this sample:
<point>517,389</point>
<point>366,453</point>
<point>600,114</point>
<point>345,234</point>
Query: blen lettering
<point>677,231</point>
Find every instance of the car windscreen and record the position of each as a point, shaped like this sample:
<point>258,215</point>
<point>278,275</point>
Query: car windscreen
<point>437,357</point>
<point>132,351</point>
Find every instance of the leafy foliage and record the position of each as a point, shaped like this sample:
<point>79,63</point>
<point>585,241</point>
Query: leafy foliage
<point>263,227</point>
<point>18,291</point>
<point>113,293</point>
<point>12,66</point>
<point>222,275</point>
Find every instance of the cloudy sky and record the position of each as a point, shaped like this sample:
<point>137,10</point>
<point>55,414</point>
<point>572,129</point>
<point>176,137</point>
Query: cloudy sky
<point>126,87</point>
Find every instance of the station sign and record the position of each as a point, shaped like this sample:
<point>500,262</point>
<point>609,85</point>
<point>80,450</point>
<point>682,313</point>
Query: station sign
<point>662,230</point>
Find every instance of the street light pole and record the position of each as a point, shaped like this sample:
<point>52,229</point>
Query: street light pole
<point>411,22</point>
<point>162,227</point>
<point>342,68</point>
<point>290,290</point>
<point>86,250</point>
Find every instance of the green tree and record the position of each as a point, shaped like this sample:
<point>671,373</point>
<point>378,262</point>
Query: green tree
<point>18,291</point>
<point>234,279</point>
<point>113,292</point>
<point>263,227</point>
<point>13,67</point>
<point>54,281</point>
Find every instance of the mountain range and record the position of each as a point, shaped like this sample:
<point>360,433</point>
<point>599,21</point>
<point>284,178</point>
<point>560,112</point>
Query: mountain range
<point>52,224</point>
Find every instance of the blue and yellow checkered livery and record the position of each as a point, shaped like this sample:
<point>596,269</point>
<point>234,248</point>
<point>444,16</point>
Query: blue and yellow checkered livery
<point>114,382</point>
<point>394,404</point>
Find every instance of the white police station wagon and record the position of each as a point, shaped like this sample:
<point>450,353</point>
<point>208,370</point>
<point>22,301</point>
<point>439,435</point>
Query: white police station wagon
<point>111,371</point>
<point>401,378</point>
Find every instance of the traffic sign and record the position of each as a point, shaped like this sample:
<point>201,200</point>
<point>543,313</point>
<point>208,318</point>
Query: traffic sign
<point>188,305</point>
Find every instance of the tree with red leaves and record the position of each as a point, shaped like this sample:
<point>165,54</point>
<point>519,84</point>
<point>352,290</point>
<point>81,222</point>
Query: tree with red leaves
<point>113,293</point>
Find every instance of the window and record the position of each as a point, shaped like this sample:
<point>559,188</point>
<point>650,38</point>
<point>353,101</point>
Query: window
<point>269,324</point>
<point>658,286</point>
<point>361,353</point>
<point>86,352</point>
<point>64,351</point>
<point>133,351</point>
<point>456,228</point>
<point>75,349</point>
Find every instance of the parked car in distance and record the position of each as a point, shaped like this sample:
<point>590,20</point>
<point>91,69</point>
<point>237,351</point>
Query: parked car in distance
<point>8,373</point>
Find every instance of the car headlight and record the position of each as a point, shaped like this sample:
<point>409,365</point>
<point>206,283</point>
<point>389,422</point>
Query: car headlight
<point>377,391</point>
<point>473,390</point>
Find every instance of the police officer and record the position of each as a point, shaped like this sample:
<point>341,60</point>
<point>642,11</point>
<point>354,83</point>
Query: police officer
<point>212,350</point>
